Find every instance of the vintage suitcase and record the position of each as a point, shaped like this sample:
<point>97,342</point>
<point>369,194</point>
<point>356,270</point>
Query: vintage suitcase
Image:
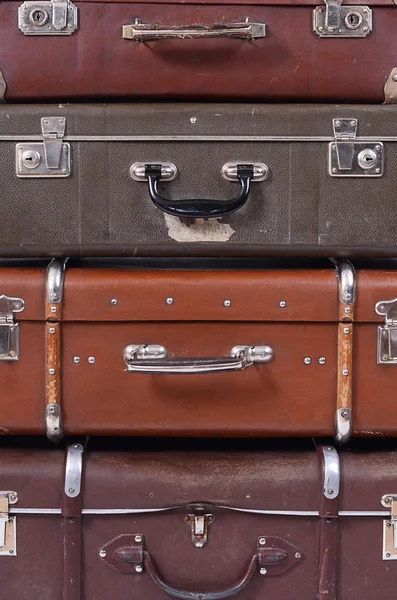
<point>256,50</point>
<point>198,525</point>
<point>124,352</point>
<point>123,180</point>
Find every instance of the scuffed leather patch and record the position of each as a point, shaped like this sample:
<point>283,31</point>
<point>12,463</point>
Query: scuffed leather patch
<point>198,230</point>
<point>391,88</point>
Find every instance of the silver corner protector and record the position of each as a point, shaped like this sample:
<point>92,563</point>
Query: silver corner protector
<point>55,280</point>
<point>73,470</point>
<point>347,281</point>
<point>53,423</point>
<point>343,425</point>
<point>331,481</point>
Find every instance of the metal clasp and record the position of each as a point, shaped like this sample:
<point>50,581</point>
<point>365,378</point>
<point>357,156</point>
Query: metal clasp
<point>387,333</point>
<point>351,158</point>
<point>199,523</point>
<point>8,536</point>
<point>50,158</point>
<point>9,331</point>
<point>390,528</point>
<point>336,20</point>
<point>48,17</point>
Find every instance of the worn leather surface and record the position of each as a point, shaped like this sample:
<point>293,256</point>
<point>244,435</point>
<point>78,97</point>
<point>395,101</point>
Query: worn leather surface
<point>100,210</point>
<point>291,63</point>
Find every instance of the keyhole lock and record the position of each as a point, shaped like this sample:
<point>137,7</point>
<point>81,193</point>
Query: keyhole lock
<point>367,159</point>
<point>353,20</point>
<point>38,17</point>
<point>31,159</point>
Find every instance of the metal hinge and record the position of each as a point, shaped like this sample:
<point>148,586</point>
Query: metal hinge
<point>50,158</point>
<point>9,331</point>
<point>336,20</point>
<point>48,17</point>
<point>199,523</point>
<point>8,538</point>
<point>351,158</point>
<point>387,333</point>
<point>390,528</point>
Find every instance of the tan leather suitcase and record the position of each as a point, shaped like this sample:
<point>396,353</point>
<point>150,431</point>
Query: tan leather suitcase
<point>248,353</point>
<point>149,524</point>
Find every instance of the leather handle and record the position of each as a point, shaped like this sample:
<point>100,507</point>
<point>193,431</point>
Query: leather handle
<point>190,595</point>
<point>143,32</point>
<point>204,209</point>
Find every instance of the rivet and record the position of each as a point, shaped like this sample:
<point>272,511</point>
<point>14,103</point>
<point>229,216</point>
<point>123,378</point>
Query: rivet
<point>71,490</point>
<point>345,371</point>
<point>11,551</point>
<point>353,122</point>
<point>138,539</point>
<point>263,571</point>
<point>52,330</point>
<point>51,371</point>
<point>114,302</point>
<point>388,524</point>
<point>282,304</point>
<point>334,170</point>
<point>227,303</point>
<point>337,122</point>
<point>10,521</point>
<point>91,360</point>
<point>321,28</point>
<point>322,360</point>
<point>387,554</point>
<point>53,309</point>
<point>170,301</point>
<point>347,310</point>
<point>330,492</point>
<point>262,541</point>
<point>193,120</point>
<point>365,28</point>
<point>377,147</point>
<point>102,553</point>
<point>394,77</point>
<point>384,357</point>
<point>346,330</point>
<point>71,520</point>
<point>53,296</point>
<point>377,170</point>
<point>139,568</point>
<point>14,498</point>
<point>298,555</point>
<point>76,359</point>
<point>344,414</point>
<point>307,360</point>
<point>387,500</point>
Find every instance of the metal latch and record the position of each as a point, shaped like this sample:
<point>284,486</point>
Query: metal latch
<point>50,158</point>
<point>349,157</point>
<point>199,523</point>
<point>336,20</point>
<point>48,17</point>
<point>390,528</point>
<point>8,538</point>
<point>387,333</point>
<point>9,331</point>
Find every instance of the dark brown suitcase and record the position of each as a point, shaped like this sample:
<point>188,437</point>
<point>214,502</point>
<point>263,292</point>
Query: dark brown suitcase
<point>123,180</point>
<point>124,352</point>
<point>197,525</point>
<point>261,50</point>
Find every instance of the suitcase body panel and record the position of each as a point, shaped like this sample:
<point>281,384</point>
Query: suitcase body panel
<point>299,209</point>
<point>255,485</point>
<point>294,63</point>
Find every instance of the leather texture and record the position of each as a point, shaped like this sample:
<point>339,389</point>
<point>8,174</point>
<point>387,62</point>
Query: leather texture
<point>299,210</point>
<point>143,480</point>
<point>290,64</point>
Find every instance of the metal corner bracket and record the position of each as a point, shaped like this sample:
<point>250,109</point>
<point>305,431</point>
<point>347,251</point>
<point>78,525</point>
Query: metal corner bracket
<point>337,20</point>
<point>8,524</point>
<point>48,17</point>
<point>49,158</point>
<point>9,330</point>
<point>389,550</point>
<point>387,333</point>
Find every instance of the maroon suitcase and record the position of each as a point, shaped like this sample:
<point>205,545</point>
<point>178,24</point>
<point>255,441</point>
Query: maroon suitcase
<point>289,50</point>
<point>198,525</point>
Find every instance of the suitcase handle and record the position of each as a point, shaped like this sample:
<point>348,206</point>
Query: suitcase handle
<point>203,209</point>
<point>190,595</point>
<point>142,32</point>
<point>152,359</point>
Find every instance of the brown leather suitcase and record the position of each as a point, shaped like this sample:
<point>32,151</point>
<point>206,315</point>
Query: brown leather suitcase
<point>197,525</point>
<point>293,50</point>
<point>123,180</point>
<point>124,352</point>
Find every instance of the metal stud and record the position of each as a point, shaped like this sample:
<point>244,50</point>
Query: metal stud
<point>139,568</point>
<point>282,304</point>
<point>51,371</point>
<point>346,330</point>
<point>91,360</point>
<point>138,539</point>
<point>307,360</point>
<point>347,310</point>
<point>345,371</point>
<point>102,553</point>
<point>193,120</point>
<point>298,555</point>
<point>227,303</point>
<point>114,302</point>
<point>262,541</point>
<point>76,359</point>
<point>170,301</point>
<point>263,571</point>
<point>53,309</point>
<point>322,360</point>
<point>52,330</point>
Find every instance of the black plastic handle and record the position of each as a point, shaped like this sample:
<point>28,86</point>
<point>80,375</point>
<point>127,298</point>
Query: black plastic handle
<point>203,209</point>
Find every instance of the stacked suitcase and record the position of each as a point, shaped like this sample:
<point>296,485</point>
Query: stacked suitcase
<point>198,299</point>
